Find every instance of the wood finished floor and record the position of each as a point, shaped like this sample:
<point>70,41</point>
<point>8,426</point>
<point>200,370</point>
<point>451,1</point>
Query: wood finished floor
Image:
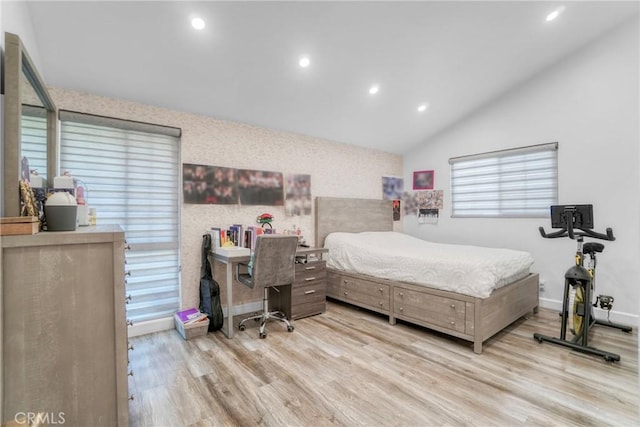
<point>350,367</point>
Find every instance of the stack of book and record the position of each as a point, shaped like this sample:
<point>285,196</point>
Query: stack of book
<point>238,235</point>
<point>191,315</point>
<point>191,323</point>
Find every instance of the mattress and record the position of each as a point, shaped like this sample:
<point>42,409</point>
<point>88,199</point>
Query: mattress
<point>469,270</point>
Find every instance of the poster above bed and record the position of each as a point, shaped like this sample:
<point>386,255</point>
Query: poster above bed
<point>392,189</point>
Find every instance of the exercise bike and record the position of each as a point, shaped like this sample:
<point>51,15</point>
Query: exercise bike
<point>579,285</point>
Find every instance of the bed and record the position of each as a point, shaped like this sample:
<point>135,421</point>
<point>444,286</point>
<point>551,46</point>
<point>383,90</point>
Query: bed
<point>361,273</point>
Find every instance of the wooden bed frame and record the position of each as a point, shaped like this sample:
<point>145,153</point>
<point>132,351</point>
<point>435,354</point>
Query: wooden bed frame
<point>470,318</point>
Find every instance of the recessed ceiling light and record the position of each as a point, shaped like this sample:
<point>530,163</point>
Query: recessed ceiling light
<point>374,89</point>
<point>304,62</point>
<point>197,23</point>
<point>422,108</point>
<point>553,15</point>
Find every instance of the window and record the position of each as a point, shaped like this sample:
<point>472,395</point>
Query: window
<point>522,182</point>
<point>130,171</point>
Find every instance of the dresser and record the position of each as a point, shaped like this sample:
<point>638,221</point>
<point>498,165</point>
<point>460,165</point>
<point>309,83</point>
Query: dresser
<point>64,335</point>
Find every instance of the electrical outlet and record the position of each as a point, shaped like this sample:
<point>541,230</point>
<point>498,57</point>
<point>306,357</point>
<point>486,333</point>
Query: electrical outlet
<point>541,286</point>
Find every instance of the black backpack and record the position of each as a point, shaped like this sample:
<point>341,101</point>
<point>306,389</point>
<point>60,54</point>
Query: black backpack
<point>209,289</point>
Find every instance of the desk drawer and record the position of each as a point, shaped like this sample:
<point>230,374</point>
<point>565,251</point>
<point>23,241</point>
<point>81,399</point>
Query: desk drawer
<point>312,269</point>
<point>308,300</point>
<point>316,291</point>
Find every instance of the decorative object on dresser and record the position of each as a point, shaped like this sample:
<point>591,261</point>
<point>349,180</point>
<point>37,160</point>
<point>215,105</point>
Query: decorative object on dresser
<point>19,225</point>
<point>474,318</point>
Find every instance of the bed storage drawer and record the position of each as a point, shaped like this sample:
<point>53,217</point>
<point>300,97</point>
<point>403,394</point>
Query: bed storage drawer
<point>444,312</point>
<point>366,293</point>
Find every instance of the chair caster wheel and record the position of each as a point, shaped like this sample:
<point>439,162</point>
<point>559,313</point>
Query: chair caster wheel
<point>290,328</point>
<point>263,335</point>
<point>242,327</point>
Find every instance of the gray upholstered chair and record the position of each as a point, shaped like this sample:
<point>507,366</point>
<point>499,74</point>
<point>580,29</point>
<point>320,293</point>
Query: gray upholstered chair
<point>272,265</point>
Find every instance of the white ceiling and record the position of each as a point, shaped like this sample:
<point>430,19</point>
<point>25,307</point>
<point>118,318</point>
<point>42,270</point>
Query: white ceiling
<point>243,66</point>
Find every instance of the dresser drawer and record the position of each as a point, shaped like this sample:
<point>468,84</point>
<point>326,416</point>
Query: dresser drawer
<point>444,312</point>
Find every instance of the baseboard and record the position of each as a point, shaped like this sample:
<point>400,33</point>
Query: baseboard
<point>151,326</point>
<point>615,316</point>
<point>249,307</point>
<point>166,323</point>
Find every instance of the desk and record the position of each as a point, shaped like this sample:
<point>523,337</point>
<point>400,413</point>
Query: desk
<point>230,262</point>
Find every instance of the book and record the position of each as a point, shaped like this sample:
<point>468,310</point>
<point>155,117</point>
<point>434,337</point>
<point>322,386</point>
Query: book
<point>199,318</point>
<point>239,233</point>
<point>252,234</point>
<point>189,315</point>
<point>215,237</point>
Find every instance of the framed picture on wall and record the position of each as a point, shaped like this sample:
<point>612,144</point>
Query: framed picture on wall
<point>423,180</point>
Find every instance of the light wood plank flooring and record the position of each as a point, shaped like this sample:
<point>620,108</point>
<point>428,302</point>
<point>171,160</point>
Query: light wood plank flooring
<point>350,367</point>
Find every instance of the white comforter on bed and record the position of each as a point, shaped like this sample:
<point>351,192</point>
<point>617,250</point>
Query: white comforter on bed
<point>469,270</point>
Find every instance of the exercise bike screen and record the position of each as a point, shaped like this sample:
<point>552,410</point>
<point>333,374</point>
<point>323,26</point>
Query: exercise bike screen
<point>582,216</point>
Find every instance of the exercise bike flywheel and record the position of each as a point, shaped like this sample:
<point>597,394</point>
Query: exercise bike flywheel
<point>577,311</point>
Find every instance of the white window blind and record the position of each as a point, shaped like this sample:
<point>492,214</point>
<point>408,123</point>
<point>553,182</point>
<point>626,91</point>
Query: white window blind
<point>34,138</point>
<point>131,171</point>
<point>522,182</point>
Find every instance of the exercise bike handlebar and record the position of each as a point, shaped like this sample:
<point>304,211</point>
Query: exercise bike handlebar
<point>569,232</point>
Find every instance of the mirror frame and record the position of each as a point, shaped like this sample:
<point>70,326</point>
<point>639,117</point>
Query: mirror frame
<point>17,61</point>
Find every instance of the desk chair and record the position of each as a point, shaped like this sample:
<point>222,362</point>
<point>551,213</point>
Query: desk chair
<point>273,265</point>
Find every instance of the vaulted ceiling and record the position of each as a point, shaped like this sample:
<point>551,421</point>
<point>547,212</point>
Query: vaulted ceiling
<point>452,57</point>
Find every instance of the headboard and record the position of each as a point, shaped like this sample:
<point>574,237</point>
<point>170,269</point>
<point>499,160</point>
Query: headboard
<point>352,216</point>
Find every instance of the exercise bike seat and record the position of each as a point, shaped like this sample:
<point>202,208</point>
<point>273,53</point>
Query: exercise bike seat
<point>592,247</point>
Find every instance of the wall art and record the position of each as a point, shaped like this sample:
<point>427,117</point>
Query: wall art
<point>423,180</point>
<point>260,187</point>
<point>392,187</point>
<point>298,195</point>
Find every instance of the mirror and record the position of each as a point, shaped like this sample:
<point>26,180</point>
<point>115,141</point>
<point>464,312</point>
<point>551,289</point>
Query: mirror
<point>30,122</point>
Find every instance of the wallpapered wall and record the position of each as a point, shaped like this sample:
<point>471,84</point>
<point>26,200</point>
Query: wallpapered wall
<point>336,169</point>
